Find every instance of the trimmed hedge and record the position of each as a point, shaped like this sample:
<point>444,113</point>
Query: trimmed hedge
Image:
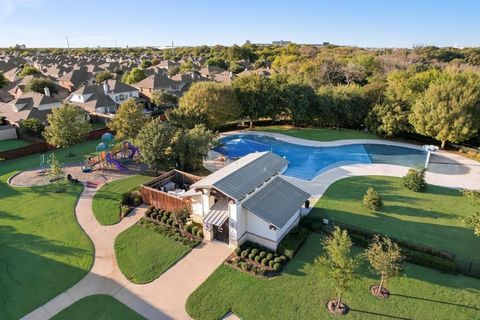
<point>293,241</point>
<point>311,223</point>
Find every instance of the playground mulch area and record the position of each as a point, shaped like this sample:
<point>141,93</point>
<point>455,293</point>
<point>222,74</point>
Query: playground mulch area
<point>35,177</point>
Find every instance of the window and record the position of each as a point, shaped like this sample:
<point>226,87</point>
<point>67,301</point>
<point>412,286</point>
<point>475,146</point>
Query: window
<point>116,98</point>
<point>122,97</point>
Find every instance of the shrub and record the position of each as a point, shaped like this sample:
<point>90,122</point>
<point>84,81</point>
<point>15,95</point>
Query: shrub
<point>169,221</point>
<point>372,199</point>
<point>269,256</point>
<point>283,257</point>
<point>292,241</point>
<point>200,233</point>
<point>430,261</point>
<point>237,251</point>
<point>263,254</point>
<point>195,230</point>
<point>264,261</point>
<point>415,180</point>
<point>257,258</point>
<point>164,219</point>
<point>244,254</point>
<point>188,228</point>
<point>311,223</point>
<point>277,260</point>
<point>255,251</point>
<point>125,210</point>
<point>260,272</point>
<point>472,195</point>
<point>149,211</point>
<point>175,224</point>
<point>277,266</point>
<point>154,215</point>
<point>245,266</point>
<point>251,256</point>
<point>136,198</point>
<point>271,263</point>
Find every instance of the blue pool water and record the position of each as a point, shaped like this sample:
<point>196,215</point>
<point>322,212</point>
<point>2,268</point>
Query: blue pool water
<point>307,162</point>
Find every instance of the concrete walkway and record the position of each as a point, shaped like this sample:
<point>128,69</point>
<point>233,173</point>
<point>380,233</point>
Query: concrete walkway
<point>164,298</point>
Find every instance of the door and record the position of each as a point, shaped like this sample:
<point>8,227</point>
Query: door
<point>221,233</point>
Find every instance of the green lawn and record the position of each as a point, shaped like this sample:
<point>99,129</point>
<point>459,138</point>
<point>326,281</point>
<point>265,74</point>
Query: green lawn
<point>106,201</point>
<point>98,307</point>
<point>10,144</point>
<point>43,250</point>
<point>319,134</point>
<point>431,218</point>
<point>143,255</point>
<point>302,291</point>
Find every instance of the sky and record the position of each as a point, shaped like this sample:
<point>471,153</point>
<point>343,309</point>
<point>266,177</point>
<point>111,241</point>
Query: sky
<point>364,23</point>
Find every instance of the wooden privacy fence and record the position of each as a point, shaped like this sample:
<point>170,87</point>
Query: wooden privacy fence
<point>42,146</point>
<point>154,196</point>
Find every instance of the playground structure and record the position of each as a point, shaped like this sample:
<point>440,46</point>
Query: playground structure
<point>110,156</point>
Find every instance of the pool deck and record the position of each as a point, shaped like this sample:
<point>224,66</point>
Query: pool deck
<point>445,169</point>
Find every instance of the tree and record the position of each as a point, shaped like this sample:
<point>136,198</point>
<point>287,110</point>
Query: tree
<point>474,222</point>
<point>255,95</point>
<point>3,80</point>
<point>155,141</point>
<point>299,101</point>
<point>55,170</point>
<point>211,103</point>
<point>39,85</point>
<point>415,180</point>
<point>450,108</point>
<point>372,199</point>
<point>145,64</point>
<point>102,76</point>
<point>385,259</point>
<point>28,70</point>
<point>340,263</point>
<point>32,127</point>
<point>68,125</point>
<point>128,121</point>
<point>190,146</point>
<point>133,76</point>
<point>163,99</point>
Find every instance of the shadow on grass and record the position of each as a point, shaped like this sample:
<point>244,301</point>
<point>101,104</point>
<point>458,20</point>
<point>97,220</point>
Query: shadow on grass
<point>370,313</point>
<point>435,301</point>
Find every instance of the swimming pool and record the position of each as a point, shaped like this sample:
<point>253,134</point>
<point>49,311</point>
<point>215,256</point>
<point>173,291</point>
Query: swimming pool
<point>306,162</point>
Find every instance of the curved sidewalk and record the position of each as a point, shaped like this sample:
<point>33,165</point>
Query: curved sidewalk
<point>163,298</point>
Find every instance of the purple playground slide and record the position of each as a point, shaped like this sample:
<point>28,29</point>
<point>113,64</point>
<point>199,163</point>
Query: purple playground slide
<point>115,162</point>
<point>133,149</point>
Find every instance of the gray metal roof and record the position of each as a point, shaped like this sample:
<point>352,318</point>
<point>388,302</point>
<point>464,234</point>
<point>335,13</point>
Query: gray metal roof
<point>277,202</point>
<point>243,176</point>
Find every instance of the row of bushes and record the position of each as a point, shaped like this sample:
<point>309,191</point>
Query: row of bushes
<point>425,256</point>
<point>258,260</point>
<point>293,241</point>
<point>177,219</point>
<point>170,232</point>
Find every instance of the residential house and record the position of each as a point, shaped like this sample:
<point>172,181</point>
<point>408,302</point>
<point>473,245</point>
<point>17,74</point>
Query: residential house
<point>158,82</point>
<point>29,105</point>
<point>247,200</point>
<point>76,78</point>
<point>217,74</point>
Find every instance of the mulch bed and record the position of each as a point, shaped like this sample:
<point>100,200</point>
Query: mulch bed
<point>340,311</point>
<point>385,294</point>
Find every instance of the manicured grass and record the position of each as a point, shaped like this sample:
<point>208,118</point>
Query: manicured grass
<point>10,144</point>
<point>319,134</point>
<point>303,290</point>
<point>98,307</point>
<point>143,255</point>
<point>43,250</point>
<point>106,201</point>
<point>430,218</point>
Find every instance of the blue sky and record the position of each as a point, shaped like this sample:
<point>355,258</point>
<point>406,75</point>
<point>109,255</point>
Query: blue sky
<point>373,23</point>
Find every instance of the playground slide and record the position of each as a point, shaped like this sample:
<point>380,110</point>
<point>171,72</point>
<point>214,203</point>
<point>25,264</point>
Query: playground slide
<point>133,149</point>
<point>116,163</point>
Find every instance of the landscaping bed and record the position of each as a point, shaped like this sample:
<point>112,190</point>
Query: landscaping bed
<point>319,134</point>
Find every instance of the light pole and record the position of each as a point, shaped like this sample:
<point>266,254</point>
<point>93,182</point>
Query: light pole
<point>429,148</point>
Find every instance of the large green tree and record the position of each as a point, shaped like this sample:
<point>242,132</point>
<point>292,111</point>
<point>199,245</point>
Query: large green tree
<point>28,70</point>
<point>190,146</point>
<point>67,126</point>
<point>449,110</point>
<point>3,80</point>
<point>128,120</point>
<point>39,85</point>
<point>155,142</point>
<point>211,103</point>
<point>102,76</point>
<point>163,99</point>
<point>256,96</point>
<point>133,76</point>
